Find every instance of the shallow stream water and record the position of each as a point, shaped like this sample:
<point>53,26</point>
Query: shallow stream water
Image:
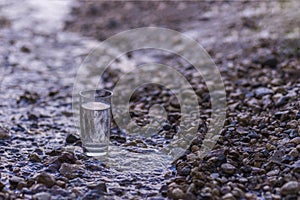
<point>37,99</point>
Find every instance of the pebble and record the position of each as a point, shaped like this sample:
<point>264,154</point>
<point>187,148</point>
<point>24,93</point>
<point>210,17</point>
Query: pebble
<point>67,157</point>
<point>92,194</point>
<point>243,118</point>
<point>243,180</point>
<point>253,134</point>
<point>228,196</point>
<point>177,194</point>
<point>282,101</point>
<point>21,185</point>
<point>225,189</point>
<point>215,175</point>
<point>257,170</point>
<point>35,157</point>
<point>298,115</point>
<point>276,81</point>
<point>118,138</point>
<point>184,171</point>
<point>238,192</point>
<point>25,49</point>
<point>15,180</point>
<point>294,153</point>
<point>166,126</point>
<point>276,197</point>
<point>71,138</point>
<point>291,187</point>
<point>282,115</point>
<point>250,196</point>
<point>273,172</point>
<point>70,171</point>
<point>295,140</point>
<point>266,188</point>
<point>2,185</point>
<point>42,196</point>
<point>296,166</point>
<point>4,134</point>
<point>262,91</point>
<point>45,178</point>
<point>30,182</point>
<point>100,187</point>
<point>270,61</point>
<point>215,192</point>
<point>228,168</point>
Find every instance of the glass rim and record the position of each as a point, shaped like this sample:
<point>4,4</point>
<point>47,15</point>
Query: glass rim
<point>86,93</point>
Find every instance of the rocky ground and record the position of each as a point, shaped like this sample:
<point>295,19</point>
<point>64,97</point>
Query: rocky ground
<point>256,51</point>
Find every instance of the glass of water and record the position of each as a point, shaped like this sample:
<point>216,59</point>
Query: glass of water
<point>95,119</point>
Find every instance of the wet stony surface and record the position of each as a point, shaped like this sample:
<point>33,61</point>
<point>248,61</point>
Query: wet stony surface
<point>256,157</point>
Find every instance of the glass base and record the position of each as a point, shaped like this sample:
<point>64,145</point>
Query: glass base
<point>95,150</point>
<point>95,154</point>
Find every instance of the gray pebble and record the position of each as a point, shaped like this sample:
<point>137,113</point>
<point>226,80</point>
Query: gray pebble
<point>42,196</point>
<point>262,91</point>
<point>282,101</point>
<point>228,168</point>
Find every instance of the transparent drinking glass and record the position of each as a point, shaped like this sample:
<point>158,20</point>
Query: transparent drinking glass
<point>95,121</point>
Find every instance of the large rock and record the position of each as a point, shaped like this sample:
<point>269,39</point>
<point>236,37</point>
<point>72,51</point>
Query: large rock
<point>70,171</point>
<point>46,179</point>
<point>291,187</point>
<point>15,180</point>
